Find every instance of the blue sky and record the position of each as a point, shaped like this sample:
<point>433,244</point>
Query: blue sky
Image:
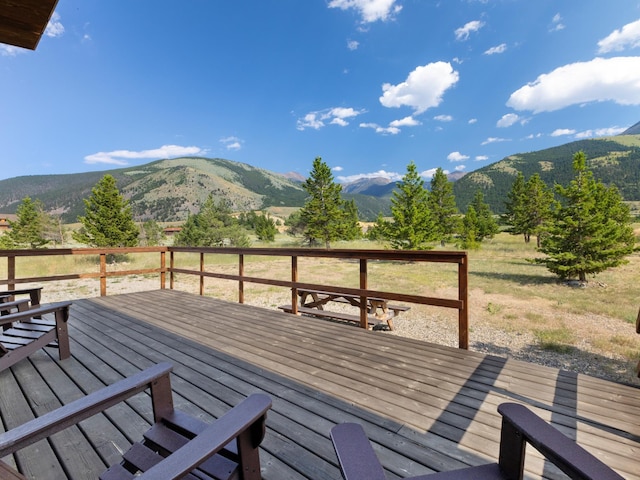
<point>368,85</point>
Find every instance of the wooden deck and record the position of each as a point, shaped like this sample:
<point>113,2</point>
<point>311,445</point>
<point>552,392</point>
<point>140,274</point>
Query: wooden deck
<point>424,406</point>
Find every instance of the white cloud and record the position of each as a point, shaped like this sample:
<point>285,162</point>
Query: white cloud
<point>494,140</point>
<point>457,157</point>
<point>423,88</point>
<point>532,136</point>
<point>507,120</point>
<point>10,50</point>
<point>614,79</point>
<point>497,49</point>
<point>120,157</point>
<point>556,23</point>
<point>391,130</point>
<point>463,33</point>
<point>626,37</point>
<point>333,116</point>
<point>481,158</point>
<point>562,131</point>
<point>601,132</point>
<point>392,176</point>
<point>472,121</point>
<point>337,169</point>
<point>369,10</point>
<point>405,122</point>
<point>443,118</point>
<point>430,173</point>
<point>353,44</point>
<point>54,27</point>
<point>231,143</point>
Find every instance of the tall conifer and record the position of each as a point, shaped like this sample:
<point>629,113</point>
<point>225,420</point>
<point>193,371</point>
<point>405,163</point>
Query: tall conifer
<point>442,203</point>
<point>413,226</point>
<point>108,221</point>
<point>590,231</point>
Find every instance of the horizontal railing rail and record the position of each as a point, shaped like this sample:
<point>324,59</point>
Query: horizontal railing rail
<point>295,283</point>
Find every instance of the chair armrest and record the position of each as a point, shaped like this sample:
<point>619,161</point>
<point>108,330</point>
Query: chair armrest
<point>22,305</point>
<point>521,425</point>
<point>32,312</point>
<point>34,293</point>
<point>355,454</point>
<point>243,418</point>
<point>78,410</point>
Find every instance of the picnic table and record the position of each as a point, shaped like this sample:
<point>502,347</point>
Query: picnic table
<point>380,312</point>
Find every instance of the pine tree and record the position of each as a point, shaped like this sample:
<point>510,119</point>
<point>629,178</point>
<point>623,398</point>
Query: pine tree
<point>29,230</point>
<point>528,207</point>
<point>108,221</point>
<point>351,229</point>
<point>265,227</point>
<point>442,203</point>
<point>413,226</point>
<point>514,215</point>
<point>590,231</point>
<point>378,231</point>
<point>469,232</point>
<point>151,233</point>
<point>486,225</point>
<point>323,213</point>
<point>538,207</point>
<point>212,226</point>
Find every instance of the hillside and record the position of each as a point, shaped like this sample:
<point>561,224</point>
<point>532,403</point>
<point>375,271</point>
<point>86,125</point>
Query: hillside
<point>168,190</point>
<point>614,161</point>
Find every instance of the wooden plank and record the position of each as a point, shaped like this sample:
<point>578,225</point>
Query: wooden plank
<point>219,329</point>
<point>75,453</point>
<point>37,460</point>
<point>425,407</point>
<point>307,461</point>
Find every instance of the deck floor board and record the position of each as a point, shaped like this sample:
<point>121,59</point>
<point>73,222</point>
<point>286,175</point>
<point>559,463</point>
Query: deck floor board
<point>425,407</point>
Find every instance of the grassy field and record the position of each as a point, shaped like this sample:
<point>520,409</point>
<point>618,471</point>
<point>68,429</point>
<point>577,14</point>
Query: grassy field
<point>507,292</point>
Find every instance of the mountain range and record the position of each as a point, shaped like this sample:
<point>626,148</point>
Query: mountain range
<point>168,190</point>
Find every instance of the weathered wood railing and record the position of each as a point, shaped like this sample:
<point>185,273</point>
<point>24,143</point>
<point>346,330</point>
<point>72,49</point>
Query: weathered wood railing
<point>294,283</point>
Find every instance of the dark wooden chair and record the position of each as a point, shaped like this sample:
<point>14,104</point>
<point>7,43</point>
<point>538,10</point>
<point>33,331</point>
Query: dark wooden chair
<point>519,427</point>
<point>24,329</point>
<point>176,445</point>
<point>35,295</point>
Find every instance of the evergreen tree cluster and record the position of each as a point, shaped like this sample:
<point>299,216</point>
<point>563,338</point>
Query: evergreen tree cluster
<point>422,217</point>
<point>212,226</point>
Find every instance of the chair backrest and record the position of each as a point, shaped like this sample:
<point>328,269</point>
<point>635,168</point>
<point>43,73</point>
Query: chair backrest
<point>520,426</point>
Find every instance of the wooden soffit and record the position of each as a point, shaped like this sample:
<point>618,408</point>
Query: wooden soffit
<point>22,22</point>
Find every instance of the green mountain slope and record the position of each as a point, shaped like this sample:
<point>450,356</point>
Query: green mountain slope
<point>614,161</point>
<point>168,190</point>
<point>165,190</point>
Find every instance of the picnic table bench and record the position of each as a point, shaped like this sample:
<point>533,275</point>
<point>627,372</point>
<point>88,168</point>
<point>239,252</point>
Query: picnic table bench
<point>380,312</point>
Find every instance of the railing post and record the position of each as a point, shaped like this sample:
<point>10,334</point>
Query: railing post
<point>11,272</point>
<point>294,281</point>
<point>171,265</point>
<point>241,282</point>
<point>103,274</point>
<point>463,296</point>
<point>363,299</point>
<point>163,270</point>
<point>201,272</point>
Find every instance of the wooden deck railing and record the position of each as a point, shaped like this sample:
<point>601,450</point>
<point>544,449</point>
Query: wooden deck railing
<point>363,257</point>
